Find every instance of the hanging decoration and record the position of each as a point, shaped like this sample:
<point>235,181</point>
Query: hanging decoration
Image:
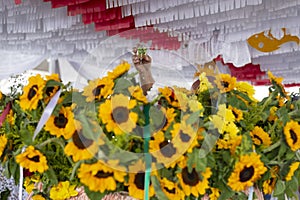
<point>268,43</point>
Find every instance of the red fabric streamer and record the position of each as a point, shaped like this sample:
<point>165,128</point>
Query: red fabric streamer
<point>17,2</point>
<point>5,113</point>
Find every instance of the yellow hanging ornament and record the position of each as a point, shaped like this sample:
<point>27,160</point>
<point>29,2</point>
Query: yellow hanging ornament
<point>268,43</point>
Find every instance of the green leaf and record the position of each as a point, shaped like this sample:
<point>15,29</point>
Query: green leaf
<point>93,195</point>
<point>14,168</point>
<point>190,161</point>
<point>87,128</point>
<point>279,188</point>
<point>226,192</point>
<point>53,83</point>
<point>194,117</point>
<point>122,86</point>
<point>157,117</point>
<point>292,184</point>
<point>201,163</point>
<point>158,192</point>
<point>26,136</point>
<point>238,103</point>
<point>125,156</point>
<point>208,144</point>
<point>51,175</point>
<point>243,95</point>
<point>282,150</point>
<point>4,195</point>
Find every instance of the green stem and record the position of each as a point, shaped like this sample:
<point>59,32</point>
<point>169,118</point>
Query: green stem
<point>74,169</point>
<point>56,140</point>
<point>272,147</point>
<point>298,155</point>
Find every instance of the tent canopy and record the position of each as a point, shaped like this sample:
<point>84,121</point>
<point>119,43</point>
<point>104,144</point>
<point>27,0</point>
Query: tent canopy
<point>196,30</point>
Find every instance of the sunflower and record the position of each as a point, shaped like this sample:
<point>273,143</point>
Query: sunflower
<point>184,137</point>
<point>193,182</point>
<point>215,193</point>
<point>281,100</point>
<point>30,183</point>
<point>273,115</point>
<point>137,93</point>
<point>116,114</point>
<point>163,151</point>
<point>292,134</point>
<point>196,106</point>
<point>136,181</point>
<point>204,83</point>
<point>200,133</point>
<point>182,99</point>
<point>100,176</point>
<point>169,94</point>
<point>98,88</point>
<point>293,168</point>
<point>260,137</point>
<point>171,189</point>
<point>63,190</point>
<point>33,160</point>
<point>10,117</point>
<point>51,90</point>
<point>225,82</point>
<point>169,117</point>
<point>248,170</point>
<point>224,120</point>
<point>229,143</point>
<point>32,93</point>
<point>3,142</point>
<point>81,148</point>
<point>269,185</point>
<point>119,70</point>
<point>1,95</point>
<point>38,197</point>
<point>237,113</point>
<point>63,124</point>
<point>246,88</point>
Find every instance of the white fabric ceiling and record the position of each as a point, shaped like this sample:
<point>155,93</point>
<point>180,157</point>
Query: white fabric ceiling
<point>35,31</point>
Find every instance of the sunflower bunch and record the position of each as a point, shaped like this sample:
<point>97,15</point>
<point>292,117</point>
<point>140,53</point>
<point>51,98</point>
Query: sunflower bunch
<point>255,143</point>
<point>216,141</point>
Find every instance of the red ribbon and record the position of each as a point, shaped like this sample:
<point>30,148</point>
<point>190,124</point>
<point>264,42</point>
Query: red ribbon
<point>5,113</point>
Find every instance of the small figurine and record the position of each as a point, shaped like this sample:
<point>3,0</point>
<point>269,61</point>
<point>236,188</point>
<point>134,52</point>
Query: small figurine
<point>142,63</point>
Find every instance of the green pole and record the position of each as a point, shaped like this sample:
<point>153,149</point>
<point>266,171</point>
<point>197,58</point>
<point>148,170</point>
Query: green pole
<point>146,151</point>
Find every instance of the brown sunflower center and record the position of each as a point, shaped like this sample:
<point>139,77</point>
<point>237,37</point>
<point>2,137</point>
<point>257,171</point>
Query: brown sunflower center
<point>34,158</point>
<point>260,140</point>
<point>235,114</point>
<point>170,191</point>
<point>49,90</point>
<point>225,84</point>
<point>97,90</point>
<point>246,174</point>
<point>120,114</point>
<point>32,92</point>
<point>191,179</point>
<point>167,149</point>
<point>102,174</point>
<point>139,180</point>
<point>60,121</point>
<point>80,141</point>
<point>293,136</point>
<point>184,137</point>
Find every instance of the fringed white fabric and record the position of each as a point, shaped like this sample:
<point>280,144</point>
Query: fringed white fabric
<point>33,27</point>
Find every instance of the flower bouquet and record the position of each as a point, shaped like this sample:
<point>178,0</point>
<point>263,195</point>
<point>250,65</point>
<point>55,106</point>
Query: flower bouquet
<point>215,142</point>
